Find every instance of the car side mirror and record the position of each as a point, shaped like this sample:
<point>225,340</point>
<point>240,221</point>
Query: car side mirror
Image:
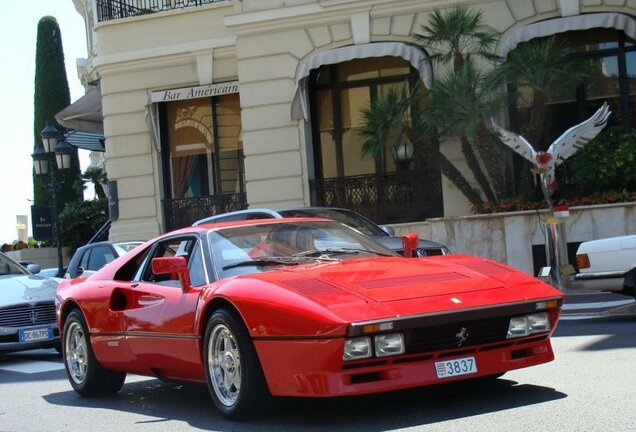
<point>387,229</point>
<point>34,268</point>
<point>173,265</point>
<point>80,271</point>
<point>410,242</point>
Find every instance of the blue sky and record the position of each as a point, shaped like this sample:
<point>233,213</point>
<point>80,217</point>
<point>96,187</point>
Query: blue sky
<point>18,28</point>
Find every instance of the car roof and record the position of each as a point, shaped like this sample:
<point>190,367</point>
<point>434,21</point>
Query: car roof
<point>272,213</point>
<point>221,225</point>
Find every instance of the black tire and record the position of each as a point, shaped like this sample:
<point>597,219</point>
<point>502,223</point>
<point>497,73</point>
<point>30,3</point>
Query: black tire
<point>235,381</point>
<point>86,375</point>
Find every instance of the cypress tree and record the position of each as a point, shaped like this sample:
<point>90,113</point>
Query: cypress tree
<point>50,97</point>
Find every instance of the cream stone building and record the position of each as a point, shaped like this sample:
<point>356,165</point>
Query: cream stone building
<point>214,105</point>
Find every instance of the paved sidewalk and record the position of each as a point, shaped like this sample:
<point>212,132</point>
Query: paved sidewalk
<point>580,304</point>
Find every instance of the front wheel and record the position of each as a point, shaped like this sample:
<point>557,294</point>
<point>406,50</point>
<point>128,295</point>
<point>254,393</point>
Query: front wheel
<point>86,375</point>
<point>234,375</point>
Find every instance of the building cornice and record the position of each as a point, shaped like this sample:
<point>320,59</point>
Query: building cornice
<point>157,53</point>
<point>322,13</point>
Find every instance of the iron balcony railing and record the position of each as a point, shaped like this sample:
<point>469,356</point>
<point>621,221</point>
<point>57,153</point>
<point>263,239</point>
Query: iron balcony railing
<point>384,198</point>
<point>404,196</point>
<point>182,212</point>
<point>116,9</point>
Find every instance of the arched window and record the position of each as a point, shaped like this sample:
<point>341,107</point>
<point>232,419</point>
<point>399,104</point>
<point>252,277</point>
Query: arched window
<point>338,93</point>
<point>611,56</point>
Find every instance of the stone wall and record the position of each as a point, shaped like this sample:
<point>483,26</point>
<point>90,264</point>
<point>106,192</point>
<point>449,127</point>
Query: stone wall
<point>44,257</point>
<point>509,237</point>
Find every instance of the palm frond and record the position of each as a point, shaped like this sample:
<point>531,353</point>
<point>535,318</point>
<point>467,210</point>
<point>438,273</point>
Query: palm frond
<point>457,33</point>
<point>384,120</point>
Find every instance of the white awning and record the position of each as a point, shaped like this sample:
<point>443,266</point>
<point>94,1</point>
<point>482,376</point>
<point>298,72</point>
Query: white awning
<point>85,114</point>
<point>561,25</point>
<point>414,55</point>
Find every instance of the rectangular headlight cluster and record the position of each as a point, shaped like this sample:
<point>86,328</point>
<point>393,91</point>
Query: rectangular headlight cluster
<point>363,347</point>
<point>528,324</point>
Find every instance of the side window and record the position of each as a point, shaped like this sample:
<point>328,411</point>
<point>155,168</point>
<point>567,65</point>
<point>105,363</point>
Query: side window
<point>169,248</point>
<point>197,269</point>
<point>99,257</point>
<point>84,260</point>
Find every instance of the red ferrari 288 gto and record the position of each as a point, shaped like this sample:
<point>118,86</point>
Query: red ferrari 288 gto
<point>298,307</point>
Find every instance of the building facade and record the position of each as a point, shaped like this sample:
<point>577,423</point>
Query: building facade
<point>214,105</point>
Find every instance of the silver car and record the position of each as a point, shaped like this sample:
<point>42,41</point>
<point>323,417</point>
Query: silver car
<point>382,234</point>
<point>27,309</point>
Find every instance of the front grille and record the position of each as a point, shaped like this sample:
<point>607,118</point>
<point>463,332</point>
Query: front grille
<point>445,336</point>
<point>25,315</point>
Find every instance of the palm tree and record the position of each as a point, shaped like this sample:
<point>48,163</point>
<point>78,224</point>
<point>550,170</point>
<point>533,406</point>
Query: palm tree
<point>456,34</point>
<point>460,104</point>
<point>97,176</point>
<point>466,94</point>
<point>397,115</point>
<point>541,67</point>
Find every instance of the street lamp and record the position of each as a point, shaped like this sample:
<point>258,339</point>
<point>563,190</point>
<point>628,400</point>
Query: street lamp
<point>402,155</point>
<point>49,157</point>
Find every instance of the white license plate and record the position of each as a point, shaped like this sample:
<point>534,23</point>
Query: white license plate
<point>456,367</point>
<point>36,334</point>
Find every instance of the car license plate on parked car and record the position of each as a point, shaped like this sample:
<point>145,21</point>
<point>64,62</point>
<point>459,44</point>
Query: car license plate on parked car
<point>33,335</point>
<point>456,367</point>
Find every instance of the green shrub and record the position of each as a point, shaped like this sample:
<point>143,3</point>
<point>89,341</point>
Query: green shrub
<point>608,162</point>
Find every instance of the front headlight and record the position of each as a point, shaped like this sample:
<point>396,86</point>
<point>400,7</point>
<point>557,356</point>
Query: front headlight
<point>357,348</point>
<point>389,344</point>
<point>528,324</point>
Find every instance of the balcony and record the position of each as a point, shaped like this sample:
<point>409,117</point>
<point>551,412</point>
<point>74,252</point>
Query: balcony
<point>182,212</point>
<point>116,9</point>
<point>384,198</point>
<point>397,197</point>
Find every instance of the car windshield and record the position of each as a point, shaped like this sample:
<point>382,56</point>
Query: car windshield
<point>354,220</point>
<point>10,267</point>
<point>255,248</point>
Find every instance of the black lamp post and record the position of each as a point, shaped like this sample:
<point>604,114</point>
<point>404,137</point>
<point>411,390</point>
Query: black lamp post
<point>402,155</point>
<point>51,156</point>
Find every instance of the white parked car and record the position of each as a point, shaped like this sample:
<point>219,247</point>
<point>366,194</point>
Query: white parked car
<point>608,264</point>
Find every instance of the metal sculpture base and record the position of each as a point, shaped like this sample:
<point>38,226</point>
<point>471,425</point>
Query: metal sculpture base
<point>556,252</point>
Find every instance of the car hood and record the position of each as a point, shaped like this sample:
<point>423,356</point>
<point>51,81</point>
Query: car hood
<point>396,243</point>
<point>368,288</point>
<point>25,288</point>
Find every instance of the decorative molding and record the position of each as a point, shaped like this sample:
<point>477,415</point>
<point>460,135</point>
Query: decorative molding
<point>360,27</point>
<point>569,7</point>
<point>205,68</point>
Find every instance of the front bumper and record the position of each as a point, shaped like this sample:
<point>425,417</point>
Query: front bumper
<point>315,367</point>
<point>601,281</point>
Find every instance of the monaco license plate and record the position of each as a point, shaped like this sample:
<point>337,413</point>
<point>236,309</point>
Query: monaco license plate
<point>456,367</point>
<point>37,334</point>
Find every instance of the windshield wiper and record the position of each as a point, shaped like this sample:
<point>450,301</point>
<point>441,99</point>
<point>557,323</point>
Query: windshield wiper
<point>337,251</point>
<point>263,261</point>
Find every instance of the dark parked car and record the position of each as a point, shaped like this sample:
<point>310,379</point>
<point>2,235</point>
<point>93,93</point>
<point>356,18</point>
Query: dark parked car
<point>384,235</point>
<point>27,308</point>
<point>89,258</point>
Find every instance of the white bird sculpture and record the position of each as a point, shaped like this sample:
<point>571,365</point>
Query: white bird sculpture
<point>561,149</point>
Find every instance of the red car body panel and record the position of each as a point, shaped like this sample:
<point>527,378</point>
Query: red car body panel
<point>298,318</point>
<point>314,368</point>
